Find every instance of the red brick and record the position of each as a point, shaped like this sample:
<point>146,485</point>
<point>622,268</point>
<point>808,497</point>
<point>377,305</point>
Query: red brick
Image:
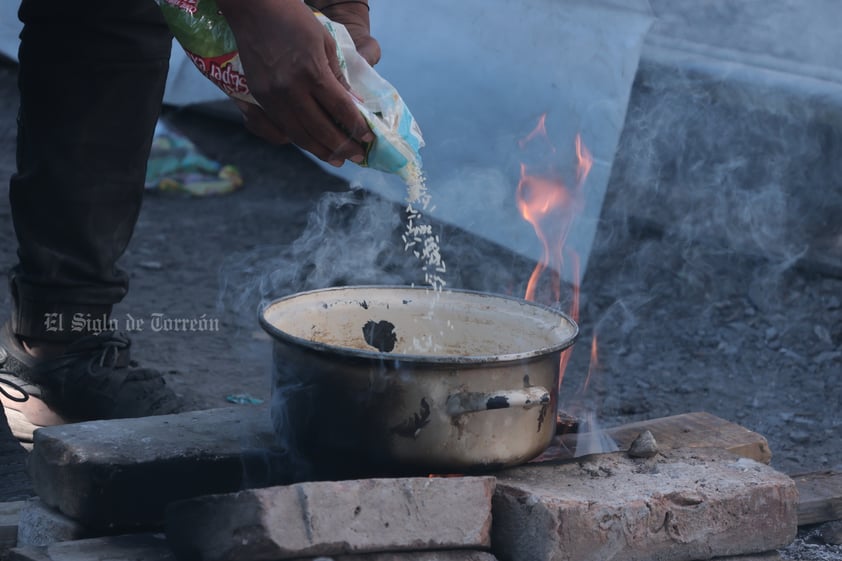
<point>691,504</point>
<point>333,518</point>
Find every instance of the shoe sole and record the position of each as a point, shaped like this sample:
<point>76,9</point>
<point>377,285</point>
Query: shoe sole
<point>27,417</point>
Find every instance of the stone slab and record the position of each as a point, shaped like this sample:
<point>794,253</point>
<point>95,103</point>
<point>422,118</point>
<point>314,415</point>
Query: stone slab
<point>767,556</point>
<point>685,505</point>
<point>130,547</point>
<point>9,516</point>
<point>123,473</point>
<point>830,532</point>
<point>153,547</point>
<point>40,525</point>
<point>454,555</point>
<point>333,518</point>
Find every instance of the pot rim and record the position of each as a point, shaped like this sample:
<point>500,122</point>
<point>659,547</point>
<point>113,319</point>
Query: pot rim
<point>349,352</point>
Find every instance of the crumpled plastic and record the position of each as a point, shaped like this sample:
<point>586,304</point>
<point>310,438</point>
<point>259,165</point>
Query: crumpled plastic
<point>398,136</point>
<point>208,41</point>
<point>176,165</point>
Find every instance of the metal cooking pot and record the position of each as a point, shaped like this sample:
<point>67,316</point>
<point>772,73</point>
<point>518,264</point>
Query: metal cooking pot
<point>387,380</point>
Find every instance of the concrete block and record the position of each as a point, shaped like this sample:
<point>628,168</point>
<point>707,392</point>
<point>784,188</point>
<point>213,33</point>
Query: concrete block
<point>123,473</point>
<point>42,525</point>
<point>333,518</point>
<point>682,506</point>
<point>130,547</point>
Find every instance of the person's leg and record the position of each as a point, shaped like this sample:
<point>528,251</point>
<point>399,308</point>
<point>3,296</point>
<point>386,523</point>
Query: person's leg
<point>91,81</point>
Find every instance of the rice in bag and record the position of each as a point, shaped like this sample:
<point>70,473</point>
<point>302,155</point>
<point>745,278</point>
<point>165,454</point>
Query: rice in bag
<point>205,36</point>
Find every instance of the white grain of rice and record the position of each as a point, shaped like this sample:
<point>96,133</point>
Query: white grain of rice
<point>418,199</point>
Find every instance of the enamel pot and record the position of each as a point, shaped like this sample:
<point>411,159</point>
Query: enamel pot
<point>394,380</point>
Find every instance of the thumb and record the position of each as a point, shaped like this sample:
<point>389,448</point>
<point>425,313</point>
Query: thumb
<point>369,49</point>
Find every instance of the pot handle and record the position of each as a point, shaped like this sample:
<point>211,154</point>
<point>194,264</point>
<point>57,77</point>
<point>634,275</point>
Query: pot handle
<point>471,402</point>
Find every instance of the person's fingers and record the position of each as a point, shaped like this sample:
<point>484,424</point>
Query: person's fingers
<point>309,126</point>
<point>337,103</point>
<point>315,130</point>
<point>295,111</point>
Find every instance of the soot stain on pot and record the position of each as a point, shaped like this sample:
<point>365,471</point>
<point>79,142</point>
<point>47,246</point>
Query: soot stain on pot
<point>542,415</point>
<point>380,335</point>
<point>410,427</point>
<point>497,402</point>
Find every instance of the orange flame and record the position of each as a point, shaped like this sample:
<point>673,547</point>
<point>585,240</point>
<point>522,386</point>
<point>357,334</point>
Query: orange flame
<point>546,202</point>
<point>594,365</point>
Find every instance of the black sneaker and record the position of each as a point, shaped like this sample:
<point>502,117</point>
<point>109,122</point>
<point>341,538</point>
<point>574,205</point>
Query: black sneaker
<point>91,380</point>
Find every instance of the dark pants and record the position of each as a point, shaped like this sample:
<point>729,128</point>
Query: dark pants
<point>91,81</point>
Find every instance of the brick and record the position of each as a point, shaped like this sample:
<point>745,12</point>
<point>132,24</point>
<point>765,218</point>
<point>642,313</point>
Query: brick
<point>333,518</point>
<point>687,430</point>
<point>42,525</point>
<point>148,547</point>
<point>123,473</point>
<point>688,504</point>
<point>819,496</point>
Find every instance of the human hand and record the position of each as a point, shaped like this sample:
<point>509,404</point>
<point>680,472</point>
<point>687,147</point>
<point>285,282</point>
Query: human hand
<point>289,60</point>
<point>353,15</point>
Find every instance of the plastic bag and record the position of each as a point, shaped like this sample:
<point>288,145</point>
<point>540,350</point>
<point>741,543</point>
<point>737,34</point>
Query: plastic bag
<point>176,165</point>
<point>209,42</point>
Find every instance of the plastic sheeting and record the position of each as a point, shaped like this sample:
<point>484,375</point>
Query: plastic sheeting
<point>477,76</point>
<point>9,28</point>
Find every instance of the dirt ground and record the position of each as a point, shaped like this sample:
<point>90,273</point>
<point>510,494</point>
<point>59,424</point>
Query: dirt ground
<point>681,326</point>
